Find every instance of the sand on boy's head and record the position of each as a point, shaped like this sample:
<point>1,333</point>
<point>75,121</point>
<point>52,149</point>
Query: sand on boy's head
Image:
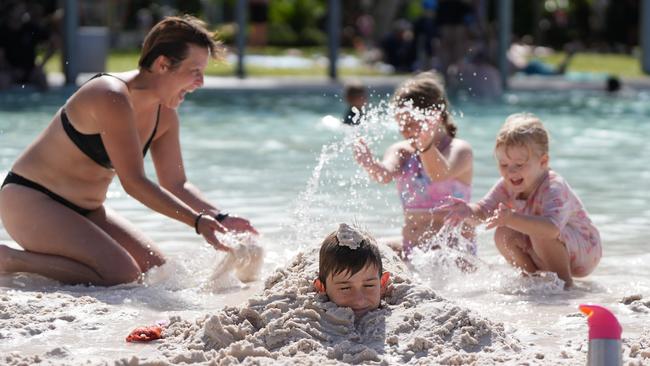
<point>350,270</point>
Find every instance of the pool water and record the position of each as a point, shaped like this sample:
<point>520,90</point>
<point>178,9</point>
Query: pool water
<point>269,157</point>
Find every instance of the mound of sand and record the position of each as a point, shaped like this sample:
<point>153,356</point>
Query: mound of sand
<point>290,323</point>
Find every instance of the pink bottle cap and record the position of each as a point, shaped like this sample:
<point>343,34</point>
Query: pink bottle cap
<point>602,323</point>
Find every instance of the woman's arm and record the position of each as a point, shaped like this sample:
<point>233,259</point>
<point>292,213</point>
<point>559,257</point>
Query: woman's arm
<point>168,161</point>
<point>116,121</point>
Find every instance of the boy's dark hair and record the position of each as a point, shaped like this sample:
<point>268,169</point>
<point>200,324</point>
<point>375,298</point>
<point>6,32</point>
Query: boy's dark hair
<point>335,258</point>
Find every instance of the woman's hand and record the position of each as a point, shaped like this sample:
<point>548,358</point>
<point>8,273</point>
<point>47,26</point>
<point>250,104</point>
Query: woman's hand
<point>206,227</point>
<point>240,224</point>
<point>457,211</point>
<point>501,217</point>
<point>362,153</point>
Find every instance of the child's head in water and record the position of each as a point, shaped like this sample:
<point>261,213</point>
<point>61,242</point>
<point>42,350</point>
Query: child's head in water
<point>355,94</point>
<point>350,270</point>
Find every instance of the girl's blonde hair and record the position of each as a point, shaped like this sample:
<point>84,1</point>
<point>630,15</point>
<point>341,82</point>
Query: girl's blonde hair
<point>425,92</point>
<point>523,129</point>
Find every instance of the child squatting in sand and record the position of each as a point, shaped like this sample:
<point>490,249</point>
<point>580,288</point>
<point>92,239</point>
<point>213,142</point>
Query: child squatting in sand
<point>541,224</point>
<point>350,270</point>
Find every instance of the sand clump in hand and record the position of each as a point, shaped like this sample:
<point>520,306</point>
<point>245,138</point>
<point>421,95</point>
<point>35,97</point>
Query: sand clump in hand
<point>289,323</point>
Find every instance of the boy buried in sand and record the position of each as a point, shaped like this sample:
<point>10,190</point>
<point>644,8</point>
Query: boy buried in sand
<point>541,224</point>
<point>350,271</point>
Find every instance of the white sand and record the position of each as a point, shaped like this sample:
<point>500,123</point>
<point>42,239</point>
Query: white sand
<point>287,323</point>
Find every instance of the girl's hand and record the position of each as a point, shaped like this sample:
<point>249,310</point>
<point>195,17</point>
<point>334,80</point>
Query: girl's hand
<point>501,217</point>
<point>457,211</point>
<point>240,224</point>
<point>362,153</point>
<point>428,131</point>
<point>207,226</point>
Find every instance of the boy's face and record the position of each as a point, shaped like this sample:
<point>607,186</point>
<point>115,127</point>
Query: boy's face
<point>361,292</point>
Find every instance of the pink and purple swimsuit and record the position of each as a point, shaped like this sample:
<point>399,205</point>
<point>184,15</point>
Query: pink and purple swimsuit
<point>420,194</point>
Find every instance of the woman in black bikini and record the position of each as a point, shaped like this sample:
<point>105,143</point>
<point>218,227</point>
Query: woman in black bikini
<point>52,200</point>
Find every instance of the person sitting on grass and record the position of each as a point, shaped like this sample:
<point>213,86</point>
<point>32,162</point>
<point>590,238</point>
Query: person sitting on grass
<point>350,270</point>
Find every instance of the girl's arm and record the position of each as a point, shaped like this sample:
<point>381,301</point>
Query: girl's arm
<point>168,161</point>
<point>439,168</point>
<point>436,165</point>
<point>123,146</point>
<point>380,171</point>
<point>534,226</point>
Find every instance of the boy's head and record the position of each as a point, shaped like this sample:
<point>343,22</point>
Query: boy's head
<point>350,270</point>
<point>355,94</point>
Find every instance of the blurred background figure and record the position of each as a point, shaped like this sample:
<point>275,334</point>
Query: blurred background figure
<point>475,76</point>
<point>613,84</point>
<point>454,17</point>
<point>425,32</point>
<point>258,18</point>
<point>356,96</point>
<point>23,29</point>
<point>521,57</point>
<point>398,47</point>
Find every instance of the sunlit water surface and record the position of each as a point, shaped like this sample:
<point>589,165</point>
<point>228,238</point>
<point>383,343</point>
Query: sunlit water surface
<point>271,157</point>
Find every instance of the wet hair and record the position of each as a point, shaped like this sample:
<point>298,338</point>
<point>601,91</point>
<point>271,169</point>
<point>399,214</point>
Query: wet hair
<point>425,92</point>
<point>523,129</point>
<point>171,38</point>
<point>613,84</point>
<point>335,258</point>
<point>354,89</point>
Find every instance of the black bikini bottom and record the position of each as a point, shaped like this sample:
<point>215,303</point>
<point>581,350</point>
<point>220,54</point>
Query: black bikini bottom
<point>22,181</point>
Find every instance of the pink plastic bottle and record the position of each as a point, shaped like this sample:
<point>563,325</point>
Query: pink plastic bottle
<point>604,336</point>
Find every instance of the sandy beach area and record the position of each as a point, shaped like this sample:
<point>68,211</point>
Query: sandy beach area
<point>283,322</point>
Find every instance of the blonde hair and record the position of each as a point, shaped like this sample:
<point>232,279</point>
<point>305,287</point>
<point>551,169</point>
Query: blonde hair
<point>523,129</point>
<point>425,91</point>
<point>171,38</point>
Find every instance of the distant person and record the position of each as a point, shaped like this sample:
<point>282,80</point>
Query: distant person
<point>613,84</point>
<point>425,33</point>
<point>475,77</point>
<point>356,96</point>
<point>453,20</point>
<point>541,224</point>
<point>259,14</point>
<point>350,270</point>
<point>519,56</point>
<point>52,201</point>
<point>22,31</point>
<point>431,166</point>
<point>398,47</point>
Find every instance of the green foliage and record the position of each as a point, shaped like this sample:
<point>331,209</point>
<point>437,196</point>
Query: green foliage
<point>296,22</point>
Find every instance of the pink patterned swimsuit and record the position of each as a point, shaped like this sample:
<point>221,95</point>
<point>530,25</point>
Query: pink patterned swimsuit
<point>419,193</point>
<point>555,200</point>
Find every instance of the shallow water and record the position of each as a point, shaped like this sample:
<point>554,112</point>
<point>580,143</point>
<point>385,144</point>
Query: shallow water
<point>271,158</point>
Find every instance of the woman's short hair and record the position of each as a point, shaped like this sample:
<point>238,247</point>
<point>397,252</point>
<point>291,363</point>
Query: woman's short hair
<point>171,38</point>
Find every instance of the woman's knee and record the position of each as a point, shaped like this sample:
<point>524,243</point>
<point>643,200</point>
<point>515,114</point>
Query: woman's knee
<point>123,269</point>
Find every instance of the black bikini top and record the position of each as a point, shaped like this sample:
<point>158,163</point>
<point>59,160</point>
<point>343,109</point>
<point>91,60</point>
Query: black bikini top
<point>91,144</point>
